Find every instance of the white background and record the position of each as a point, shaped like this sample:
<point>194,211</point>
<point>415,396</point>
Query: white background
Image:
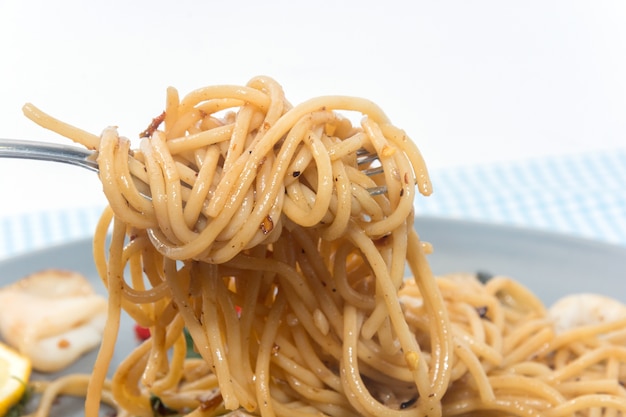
<point>471,81</point>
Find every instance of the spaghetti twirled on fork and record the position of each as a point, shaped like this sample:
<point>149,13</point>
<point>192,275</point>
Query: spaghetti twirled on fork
<point>262,240</point>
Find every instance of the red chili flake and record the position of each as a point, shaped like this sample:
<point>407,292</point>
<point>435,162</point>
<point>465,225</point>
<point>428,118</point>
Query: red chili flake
<point>267,225</point>
<point>154,125</point>
<point>142,333</point>
<point>211,403</point>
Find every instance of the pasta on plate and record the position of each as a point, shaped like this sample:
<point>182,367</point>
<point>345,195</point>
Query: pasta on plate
<point>253,224</point>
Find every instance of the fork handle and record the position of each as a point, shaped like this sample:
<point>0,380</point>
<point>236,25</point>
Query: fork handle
<point>45,151</point>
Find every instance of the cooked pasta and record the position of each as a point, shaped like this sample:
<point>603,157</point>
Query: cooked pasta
<point>255,226</point>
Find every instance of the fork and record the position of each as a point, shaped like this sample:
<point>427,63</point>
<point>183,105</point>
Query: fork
<point>73,155</point>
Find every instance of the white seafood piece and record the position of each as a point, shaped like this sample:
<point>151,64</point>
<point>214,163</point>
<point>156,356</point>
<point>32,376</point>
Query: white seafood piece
<point>585,309</point>
<point>53,317</point>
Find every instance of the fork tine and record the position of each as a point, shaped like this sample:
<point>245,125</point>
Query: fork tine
<point>374,191</point>
<point>364,157</point>
<point>372,171</point>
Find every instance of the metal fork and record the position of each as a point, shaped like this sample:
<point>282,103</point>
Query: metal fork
<point>73,155</point>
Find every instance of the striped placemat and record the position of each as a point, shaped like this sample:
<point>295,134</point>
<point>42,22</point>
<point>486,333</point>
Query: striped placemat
<point>31,231</point>
<point>580,195</point>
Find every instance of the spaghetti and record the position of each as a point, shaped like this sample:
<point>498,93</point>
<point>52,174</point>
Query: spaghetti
<point>260,238</point>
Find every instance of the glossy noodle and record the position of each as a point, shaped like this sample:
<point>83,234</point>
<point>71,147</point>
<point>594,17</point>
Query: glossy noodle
<point>253,225</point>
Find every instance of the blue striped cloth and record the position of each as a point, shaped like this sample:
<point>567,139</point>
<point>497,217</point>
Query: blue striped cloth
<point>579,195</point>
<point>31,231</point>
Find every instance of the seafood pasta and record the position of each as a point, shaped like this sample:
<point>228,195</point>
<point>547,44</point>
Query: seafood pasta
<point>259,228</point>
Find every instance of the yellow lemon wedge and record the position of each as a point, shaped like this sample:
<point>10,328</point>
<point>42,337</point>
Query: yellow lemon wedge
<point>14,373</point>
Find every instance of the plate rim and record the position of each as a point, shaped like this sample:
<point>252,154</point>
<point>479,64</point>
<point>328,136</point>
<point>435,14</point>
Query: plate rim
<point>452,222</point>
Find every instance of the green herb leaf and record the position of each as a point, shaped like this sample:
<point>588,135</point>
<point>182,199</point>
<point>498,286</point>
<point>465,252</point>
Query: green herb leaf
<point>484,276</point>
<point>159,409</point>
<point>191,352</point>
<point>19,409</point>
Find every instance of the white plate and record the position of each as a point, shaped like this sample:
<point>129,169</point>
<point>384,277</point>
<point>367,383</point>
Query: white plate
<point>549,264</point>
